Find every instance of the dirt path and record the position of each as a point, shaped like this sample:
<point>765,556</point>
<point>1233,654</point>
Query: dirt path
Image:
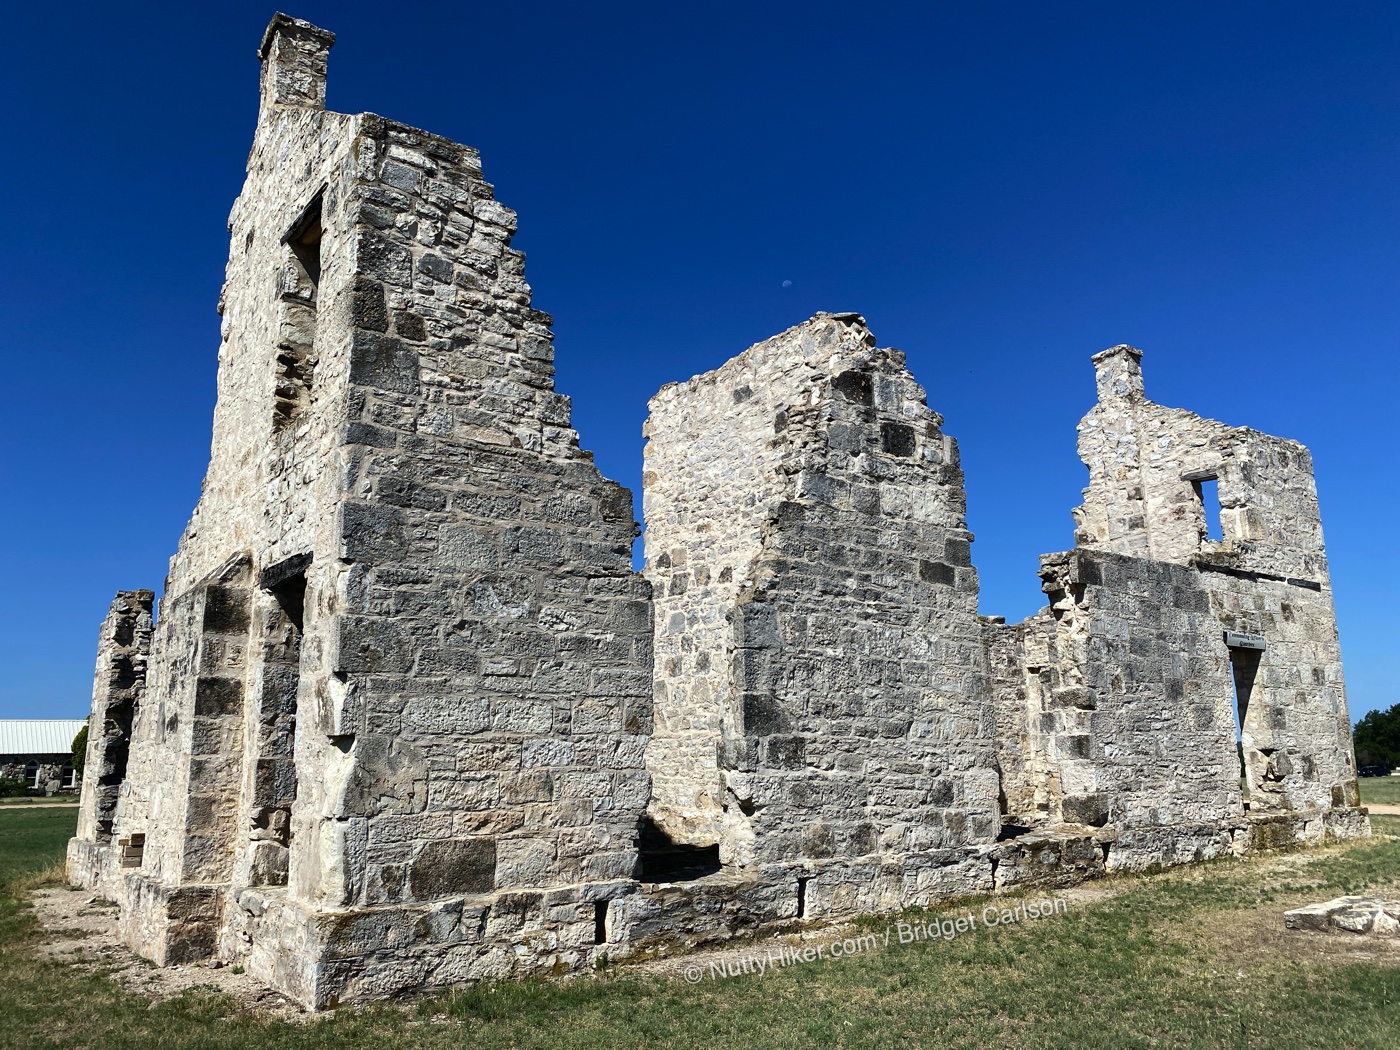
<point>83,932</point>
<point>64,805</point>
<point>1385,811</point>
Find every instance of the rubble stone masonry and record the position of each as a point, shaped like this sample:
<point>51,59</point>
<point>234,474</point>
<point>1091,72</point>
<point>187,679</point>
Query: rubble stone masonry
<point>819,677</point>
<point>392,727</point>
<point>396,722</point>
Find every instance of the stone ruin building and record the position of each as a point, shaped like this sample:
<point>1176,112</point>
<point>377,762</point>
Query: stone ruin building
<point>36,754</point>
<point>399,723</point>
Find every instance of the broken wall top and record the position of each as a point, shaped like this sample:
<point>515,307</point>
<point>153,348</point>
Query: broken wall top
<point>795,399</point>
<point>806,544</point>
<point>1150,467</point>
<point>419,320</point>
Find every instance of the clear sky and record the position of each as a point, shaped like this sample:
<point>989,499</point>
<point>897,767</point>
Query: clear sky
<point>1002,189</point>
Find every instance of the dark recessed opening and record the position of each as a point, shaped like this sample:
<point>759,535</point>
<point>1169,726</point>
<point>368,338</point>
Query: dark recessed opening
<point>897,439</point>
<point>1244,668</point>
<point>111,769</point>
<point>855,386</point>
<point>303,237</point>
<point>291,598</point>
<point>600,922</point>
<point>286,582</point>
<point>802,881</point>
<point>662,859</point>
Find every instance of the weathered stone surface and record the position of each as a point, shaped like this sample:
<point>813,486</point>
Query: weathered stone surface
<point>1114,705</point>
<point>819,665</point>
<point>398,724</point>
<point>1362,915</point>
<point>403,577</point>
<point>123,651</point>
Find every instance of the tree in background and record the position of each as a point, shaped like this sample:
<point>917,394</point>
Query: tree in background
<point>1377,738</point>
<point>79,754</point>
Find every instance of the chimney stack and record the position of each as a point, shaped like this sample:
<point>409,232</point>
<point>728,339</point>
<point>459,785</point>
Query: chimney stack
<point>1118,372</point>
<point>293,55</point>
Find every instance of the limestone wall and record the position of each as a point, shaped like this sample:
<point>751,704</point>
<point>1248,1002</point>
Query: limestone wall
<point>1146,463</point>
<point>819,654</point>
<point>393,727</point>
<point>1296,728</point>
<point>1136,697</point>
<point>123,649</point>
<point>1128,685</point>
<point>493,640</point>
<point>712,479</point>
<point>1266,575</point>
<point>402,660</point>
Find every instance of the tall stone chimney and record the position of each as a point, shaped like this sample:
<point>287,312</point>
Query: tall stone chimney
<point>1118,373</point>
<point>294,55</point>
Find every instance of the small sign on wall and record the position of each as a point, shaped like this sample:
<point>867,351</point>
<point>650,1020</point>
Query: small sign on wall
<point>1236,640</point>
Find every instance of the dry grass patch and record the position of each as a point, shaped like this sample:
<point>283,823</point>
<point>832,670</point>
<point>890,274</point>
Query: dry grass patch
<point>1190,958</point>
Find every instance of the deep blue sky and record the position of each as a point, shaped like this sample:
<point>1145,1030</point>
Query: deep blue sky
<point>1001,189</point>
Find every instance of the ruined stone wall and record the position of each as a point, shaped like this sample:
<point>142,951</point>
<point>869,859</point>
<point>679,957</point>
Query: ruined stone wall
<point>1029,788</point>
<point>50,768</point>
<point>402,662</point>
<point>1296,731</point>
<point>123,649</point>
<point>393,727</point>
<point>493,644</point>
<point>1146,462</point>
<point>273,473</point>
<point>1138,715</point>
<point>1266,576</point>
<point>713,474</point>
<point>1127,683</point>
<point>836,610</point>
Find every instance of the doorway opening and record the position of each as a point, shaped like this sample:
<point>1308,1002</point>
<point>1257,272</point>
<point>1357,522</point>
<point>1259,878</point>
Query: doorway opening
<point>1244,668</point>
<point>275,783</point>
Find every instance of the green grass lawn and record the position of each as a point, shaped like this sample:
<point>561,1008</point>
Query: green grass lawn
<point>1189,958</point>
<point>51,800</point>
<point>32,840</point>
<point>1380,791</point>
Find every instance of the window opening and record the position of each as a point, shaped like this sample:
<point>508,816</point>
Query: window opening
<point>1244,667</point>
<point>1208,493</point>
<point>299,286</point>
